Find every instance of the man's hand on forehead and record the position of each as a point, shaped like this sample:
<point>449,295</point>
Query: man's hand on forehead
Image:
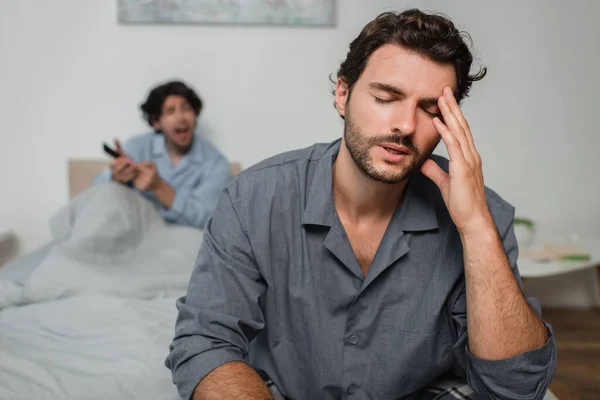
<point>462,187</point>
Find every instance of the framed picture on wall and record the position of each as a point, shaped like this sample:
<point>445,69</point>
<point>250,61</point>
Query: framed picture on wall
<point>244,12</point>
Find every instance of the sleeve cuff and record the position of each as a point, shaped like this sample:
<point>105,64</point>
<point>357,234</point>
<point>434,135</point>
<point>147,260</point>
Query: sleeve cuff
<point>188,374</point>
<point>524,376</point>
<point>174,213</point>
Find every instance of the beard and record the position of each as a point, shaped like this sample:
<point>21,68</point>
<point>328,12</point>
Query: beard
<point>173,144</point>
<point>359,145</point>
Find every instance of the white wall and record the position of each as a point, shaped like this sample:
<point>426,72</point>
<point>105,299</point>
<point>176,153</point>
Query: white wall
<point>71,77</point>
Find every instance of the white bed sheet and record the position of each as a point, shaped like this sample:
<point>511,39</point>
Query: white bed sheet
<point>18,270</point>
<point>87,347</point>
<point>95,318</point>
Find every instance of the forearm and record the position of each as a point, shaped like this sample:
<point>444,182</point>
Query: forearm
<point>164,193</point>
<point>234,380</point>
<point>500,322</point>
<point>191,207</point>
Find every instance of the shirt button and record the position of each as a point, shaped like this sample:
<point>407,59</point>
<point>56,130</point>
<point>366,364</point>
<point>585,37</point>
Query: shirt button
<point>352,389</point>
<point>354,339</point>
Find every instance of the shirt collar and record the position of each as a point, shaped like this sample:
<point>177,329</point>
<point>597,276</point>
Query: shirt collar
<point>159,147</point>
<point>415,213</point>
<point>319,208</point>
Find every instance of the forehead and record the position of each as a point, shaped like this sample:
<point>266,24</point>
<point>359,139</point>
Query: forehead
<point>173,100</point>
<point>414,74</point>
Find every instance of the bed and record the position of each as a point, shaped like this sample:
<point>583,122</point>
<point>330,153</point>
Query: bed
<point>90,315</point>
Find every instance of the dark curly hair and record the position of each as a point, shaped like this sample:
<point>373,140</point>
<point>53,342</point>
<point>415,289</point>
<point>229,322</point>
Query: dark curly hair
<point>152,107</point>
<point>432,36</point>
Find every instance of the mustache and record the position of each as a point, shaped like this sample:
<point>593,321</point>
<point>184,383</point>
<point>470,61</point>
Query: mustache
<point>405,141</point>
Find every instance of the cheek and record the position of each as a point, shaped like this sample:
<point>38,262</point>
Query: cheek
<point>191,117</point>
<point>166,122</point>
<point>427,136</point>
<point>372,118</point>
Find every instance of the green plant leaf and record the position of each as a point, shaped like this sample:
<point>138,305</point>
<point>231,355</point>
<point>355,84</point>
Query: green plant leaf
<point>524,221</point>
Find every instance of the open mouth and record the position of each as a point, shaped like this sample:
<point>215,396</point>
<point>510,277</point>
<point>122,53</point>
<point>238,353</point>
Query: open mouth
<point>394,151</point>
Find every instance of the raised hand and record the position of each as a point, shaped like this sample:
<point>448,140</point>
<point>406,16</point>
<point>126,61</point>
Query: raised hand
<point>147,177</point>
<point>462,187</point>
<point>123,168</point>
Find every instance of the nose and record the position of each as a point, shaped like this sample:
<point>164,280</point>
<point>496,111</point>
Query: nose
<point>180,113</point>
<point>404,117</point>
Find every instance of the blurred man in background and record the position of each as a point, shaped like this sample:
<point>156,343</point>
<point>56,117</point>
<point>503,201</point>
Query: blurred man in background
<point>181,172</point>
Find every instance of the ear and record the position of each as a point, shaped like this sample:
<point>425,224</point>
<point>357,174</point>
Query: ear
<point>341,96</point>
<point>156,124</point>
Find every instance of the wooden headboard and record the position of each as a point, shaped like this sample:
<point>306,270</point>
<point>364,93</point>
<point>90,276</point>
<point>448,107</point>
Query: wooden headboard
<point>83,171</point>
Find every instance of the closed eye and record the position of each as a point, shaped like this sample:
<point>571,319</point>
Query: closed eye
<point>382,101</point>
<point>433,112</point>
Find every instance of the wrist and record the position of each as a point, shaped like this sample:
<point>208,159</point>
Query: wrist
<point>482,227</point>
<point>157,185</point>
